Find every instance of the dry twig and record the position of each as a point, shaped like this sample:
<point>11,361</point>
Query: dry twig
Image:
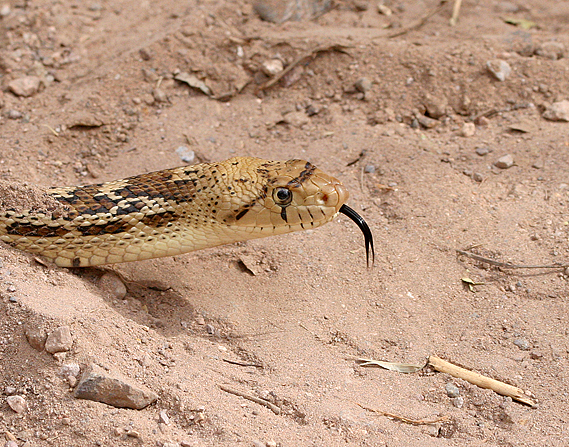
<point>479,380</point>
<point>255,399</point>
<point>507,264</point>
<point>405,419</point>
<point>310,54</point>
<point>420,22</point>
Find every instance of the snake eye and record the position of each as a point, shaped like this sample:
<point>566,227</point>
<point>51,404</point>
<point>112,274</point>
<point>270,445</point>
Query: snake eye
<point>282,196</point>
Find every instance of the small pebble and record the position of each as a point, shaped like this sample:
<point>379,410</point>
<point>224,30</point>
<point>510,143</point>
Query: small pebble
<point>477,177</point>
<point>25,86</point>
<point>17,403</point>
<point>558,111</point>
<point>468,130</point>
<point>436,105</point>
<point>5,10</point>
<point>536,355</point>
<point>159,95</point>
<point>272,67</point>
<point>210,329</point>
<point>452,390</point>
<point>9,390</point>
<point>13,299</point>
<point>186,154</point>
<point>59,340</point>
<point>163,417</point>
<point>500,69</point>
<point>551,50</point>
<point>69,370</point>
<point>522,343</point>
<point>427,122</point>
<point>13,114</point>
<point>484,150</point>
<point>384,9</point>
<point>369,169</point>
<point>112,284</point>
<point>505,162</point>
<point>363,85</point>
<point>458,402</point>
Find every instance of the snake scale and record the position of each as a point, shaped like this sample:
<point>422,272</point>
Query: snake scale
<point>179,210</point>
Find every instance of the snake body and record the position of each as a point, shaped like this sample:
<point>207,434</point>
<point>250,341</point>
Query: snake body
<point>178,210</point>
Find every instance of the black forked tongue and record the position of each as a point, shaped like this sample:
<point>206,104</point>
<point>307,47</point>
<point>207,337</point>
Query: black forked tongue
<point>360,222</point>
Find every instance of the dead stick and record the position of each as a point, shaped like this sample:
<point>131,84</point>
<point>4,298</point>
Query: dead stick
<point>455,12</point>
<point>255,399</point>
<point>406,419</point>
<point>507,264</point>
<point>479,380</point>
<point>312,53</point>
<point>421,22</point>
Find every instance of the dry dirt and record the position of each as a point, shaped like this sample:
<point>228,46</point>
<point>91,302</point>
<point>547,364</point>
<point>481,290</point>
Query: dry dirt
<point>289,328</point>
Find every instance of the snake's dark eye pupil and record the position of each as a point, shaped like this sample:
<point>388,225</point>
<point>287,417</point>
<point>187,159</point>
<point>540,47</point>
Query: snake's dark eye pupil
<point>283,195</point>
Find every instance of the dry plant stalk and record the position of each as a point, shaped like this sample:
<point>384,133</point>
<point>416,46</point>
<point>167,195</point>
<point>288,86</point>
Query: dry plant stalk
<point>479,380</point>
<point>407,420</point>
<point>255,399</point>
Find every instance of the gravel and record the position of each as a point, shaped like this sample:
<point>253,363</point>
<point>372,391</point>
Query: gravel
<point>505,162</point>
<point>452,390</point>
<point>499,69</point>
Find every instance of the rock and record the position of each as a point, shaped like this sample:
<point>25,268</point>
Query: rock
<point>59,340</point>
<point>521,42</point>
<point>477,177</point>
<point>551,50</point>
<point>468,130</point>
<point>11,444</point>
<point>427,122</point>
<point>436,105</point>
<point>112,284</point>
<point>279,11</point>
<point>17,403</point>
<point>369,169</point>
<point>26,86</point>
<point>186,154</point>
<point>163,417</point>
<point>296,119</point>
<point>12,114</point>
<point>482,150</point>
<point>558,111</point>
<point>159,95</point>
<point>36,337</point>
<point>505,162</point>
<point>500,69</point>
<point>272,67</point>
<point>522,343</point>
<point>9,390</point>
<point>98,385</point>
<point>70,372</point>
<point>382,9</point>
<point>458,402</point>
<point>363,85</point>
<point>452,390</point>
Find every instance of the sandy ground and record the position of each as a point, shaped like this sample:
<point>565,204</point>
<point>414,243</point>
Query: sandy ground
<point>284,318</point>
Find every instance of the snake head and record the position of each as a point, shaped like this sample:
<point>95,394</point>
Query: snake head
<point>282,197</point>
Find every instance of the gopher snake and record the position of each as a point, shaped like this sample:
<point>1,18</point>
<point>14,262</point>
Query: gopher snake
<point>179,210</point>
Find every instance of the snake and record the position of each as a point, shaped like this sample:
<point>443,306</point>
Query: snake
<point>179,210</point>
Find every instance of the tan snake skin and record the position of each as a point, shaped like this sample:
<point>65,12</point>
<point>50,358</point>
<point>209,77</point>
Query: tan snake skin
<point>178,210</point>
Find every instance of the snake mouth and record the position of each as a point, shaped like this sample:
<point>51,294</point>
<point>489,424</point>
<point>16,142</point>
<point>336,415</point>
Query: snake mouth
<point>361,223</point>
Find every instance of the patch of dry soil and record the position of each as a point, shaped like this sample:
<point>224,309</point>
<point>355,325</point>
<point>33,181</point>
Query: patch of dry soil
<point>430,121</point>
